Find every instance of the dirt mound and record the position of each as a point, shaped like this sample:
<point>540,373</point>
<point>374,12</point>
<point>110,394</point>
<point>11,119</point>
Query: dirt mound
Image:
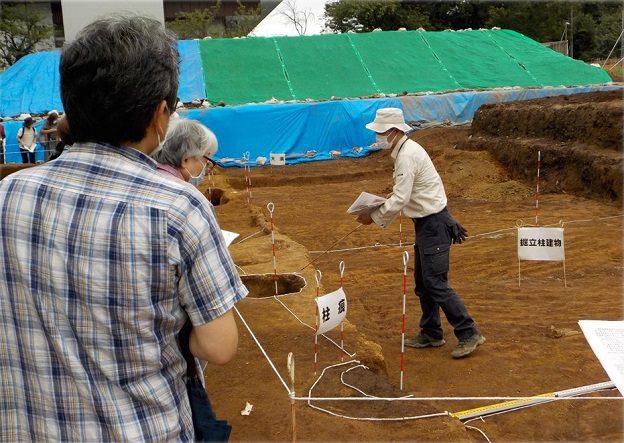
<point>579,140</point>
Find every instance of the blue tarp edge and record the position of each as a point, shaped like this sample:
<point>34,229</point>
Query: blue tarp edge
<point>307,132</point>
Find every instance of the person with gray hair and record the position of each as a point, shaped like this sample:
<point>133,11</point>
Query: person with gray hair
<point>103,261</point>
<point>186,152</point>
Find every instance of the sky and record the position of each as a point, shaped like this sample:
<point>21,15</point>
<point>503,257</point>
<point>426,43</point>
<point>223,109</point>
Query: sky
<point>276,25</point>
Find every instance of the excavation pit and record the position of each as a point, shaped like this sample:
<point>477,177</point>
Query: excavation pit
<point>263,285</point>
<point>215,196</point>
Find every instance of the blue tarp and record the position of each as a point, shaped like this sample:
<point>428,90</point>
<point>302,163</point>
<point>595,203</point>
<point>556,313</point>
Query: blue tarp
<point>32,85</point>
<point>320,131</point>
<point>325,130</point>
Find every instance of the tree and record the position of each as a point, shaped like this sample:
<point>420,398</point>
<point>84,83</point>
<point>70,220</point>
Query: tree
<point>541,21</point>
<point>299,19</point>
<point>194,24</point>
<point>584,37</point>
<point>22,32</point>
<point>200,24</point>
<point>246,19</point>
<point>365,16</point>
<point>607,33</point>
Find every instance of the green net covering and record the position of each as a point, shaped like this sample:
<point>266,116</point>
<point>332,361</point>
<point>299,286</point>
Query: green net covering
<point>239,71</point>
<point>548,67</point>
<point>259,69</point>
<point>319,67</point>
<point>475,61</point>
<point>405,65</point>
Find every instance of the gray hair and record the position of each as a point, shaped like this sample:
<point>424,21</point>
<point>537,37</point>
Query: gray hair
<point>115,74</point>
<point>185,139</point>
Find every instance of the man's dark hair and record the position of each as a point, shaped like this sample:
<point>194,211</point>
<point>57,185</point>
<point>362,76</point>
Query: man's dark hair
<point>115,74</point>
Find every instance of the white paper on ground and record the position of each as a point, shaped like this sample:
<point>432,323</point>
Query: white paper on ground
<point>606,339</point>
<point>365,204</point>
<point>247,410</point>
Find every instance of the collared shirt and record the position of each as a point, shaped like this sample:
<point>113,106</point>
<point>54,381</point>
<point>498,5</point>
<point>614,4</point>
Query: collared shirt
<point>102,259</point>
<point>418,190</point>
<point>169,171</point>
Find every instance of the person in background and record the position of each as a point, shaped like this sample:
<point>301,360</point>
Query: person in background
<point>418,192</point>
<point>27,139</point>
<point>48,136</point>
<point>2,142</point>
<point>186,152</point>
<point>103,261</point>
<point>63,136</point>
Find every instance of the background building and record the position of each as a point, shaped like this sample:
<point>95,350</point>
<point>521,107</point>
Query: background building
<point>69,16</point>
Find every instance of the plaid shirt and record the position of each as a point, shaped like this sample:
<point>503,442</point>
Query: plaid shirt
<point>102,259</point>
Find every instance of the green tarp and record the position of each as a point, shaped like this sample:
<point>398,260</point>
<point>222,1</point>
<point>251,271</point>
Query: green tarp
<point>324,67</point>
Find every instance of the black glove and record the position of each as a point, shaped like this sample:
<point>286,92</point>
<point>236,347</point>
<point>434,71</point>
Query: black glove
<point>458,233</point>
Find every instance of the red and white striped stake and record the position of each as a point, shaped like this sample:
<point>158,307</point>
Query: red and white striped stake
<point>537,188</point>
<point>401,228</point>
<point>210,185</point>
<point>341,267</point>
<point>318,276</point>
<point>247,176</point>
<point>405,261</point>
<point>271,207</point>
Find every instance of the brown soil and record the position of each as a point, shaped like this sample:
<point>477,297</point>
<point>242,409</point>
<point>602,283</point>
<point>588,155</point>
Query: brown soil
<point>534,345</point>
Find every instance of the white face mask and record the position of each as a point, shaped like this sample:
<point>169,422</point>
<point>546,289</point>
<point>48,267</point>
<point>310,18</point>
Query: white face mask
<point>382,141</point>
<point>160,143</point>
<point>196,180</point>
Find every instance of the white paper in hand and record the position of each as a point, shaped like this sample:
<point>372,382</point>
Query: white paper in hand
<point>229,236</point>
<point>365,204</point>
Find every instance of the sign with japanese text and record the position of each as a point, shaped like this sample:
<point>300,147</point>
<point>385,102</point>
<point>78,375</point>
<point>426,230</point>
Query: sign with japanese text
<point>544,244</point>
<point>332,310</point>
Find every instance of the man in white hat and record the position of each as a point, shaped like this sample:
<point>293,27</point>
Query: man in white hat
<point>418,192</point>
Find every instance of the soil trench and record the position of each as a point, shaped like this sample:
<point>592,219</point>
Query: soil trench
<point>528,311</point>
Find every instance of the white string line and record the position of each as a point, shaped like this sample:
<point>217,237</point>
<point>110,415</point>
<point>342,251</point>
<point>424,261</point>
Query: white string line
<point>351,386</point>
<point>277,298</point>
<point>242,270</point>
<point>357,389</point>
<point>314,329</point>
<point>408,398</point>
<point>482,433</point>
<point>262,350</point>
<point>291,394</point>
<point>349,417</point>
<point>391,399</point>
<point>249,236</point>
<point>469,237</point>
<point>439,414</point>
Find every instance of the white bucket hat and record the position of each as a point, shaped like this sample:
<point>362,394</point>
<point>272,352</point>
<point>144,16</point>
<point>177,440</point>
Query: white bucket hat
<point>388,118</point>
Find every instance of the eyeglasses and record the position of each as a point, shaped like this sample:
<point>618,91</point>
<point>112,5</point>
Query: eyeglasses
<point>210,163</point>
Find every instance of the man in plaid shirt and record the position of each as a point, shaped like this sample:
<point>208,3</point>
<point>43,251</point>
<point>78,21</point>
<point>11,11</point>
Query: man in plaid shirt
<point>103,260</point>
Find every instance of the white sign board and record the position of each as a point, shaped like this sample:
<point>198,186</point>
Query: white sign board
<point>278,159</point>
<point>544,244</point>
<point>332,310</point>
